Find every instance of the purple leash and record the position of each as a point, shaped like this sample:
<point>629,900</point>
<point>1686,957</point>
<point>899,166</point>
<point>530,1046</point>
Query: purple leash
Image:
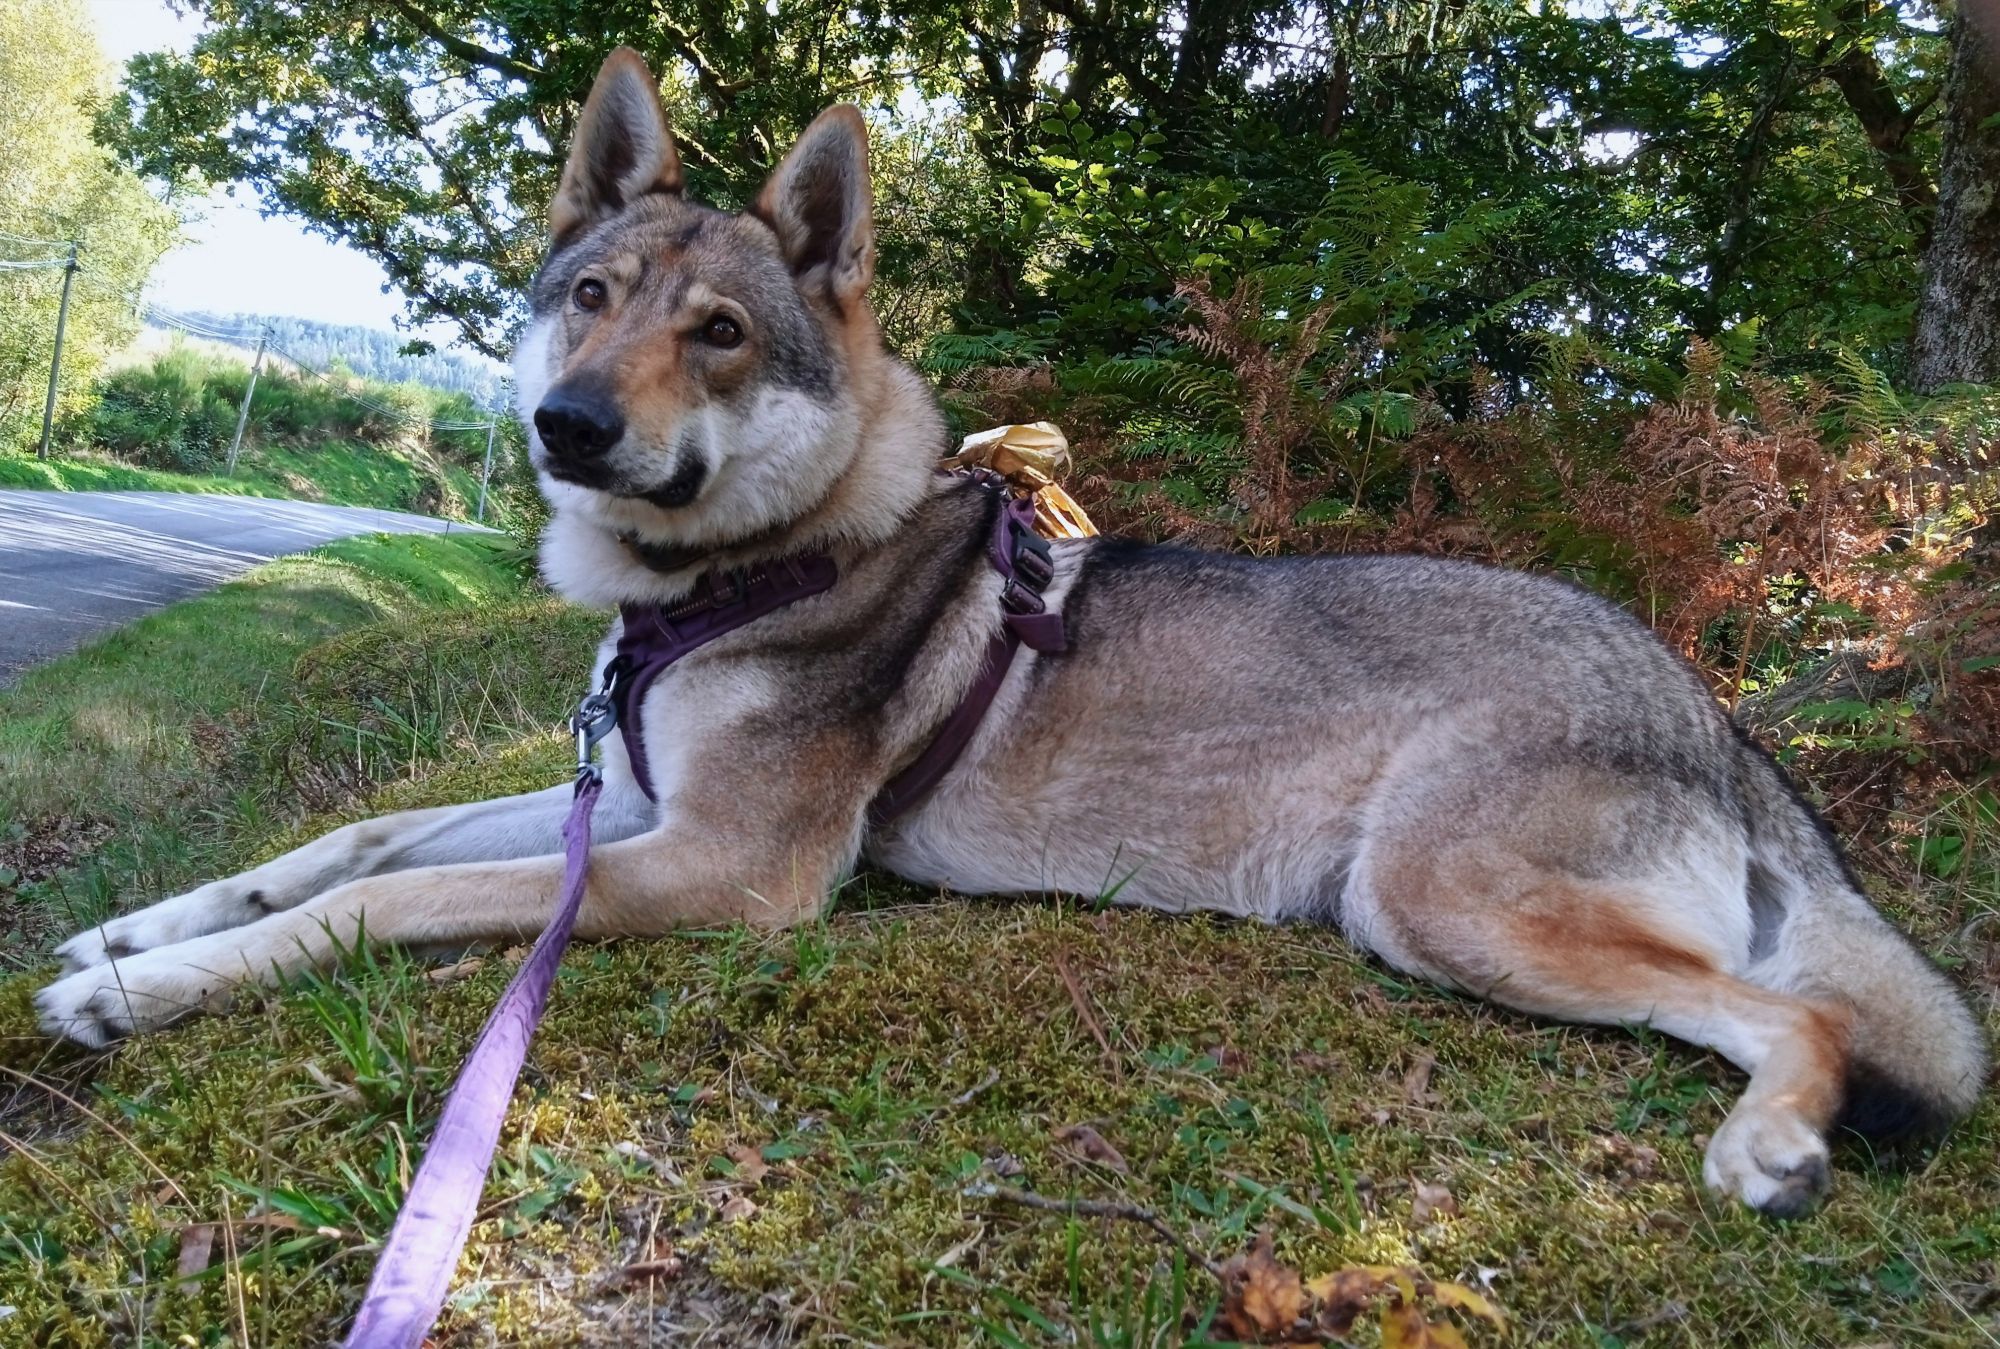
<point>414,1270</point>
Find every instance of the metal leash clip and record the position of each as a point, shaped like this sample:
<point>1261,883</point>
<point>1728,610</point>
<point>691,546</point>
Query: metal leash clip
<point>595,717</point>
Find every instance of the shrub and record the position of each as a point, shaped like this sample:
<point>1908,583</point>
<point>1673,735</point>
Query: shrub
<point>169,415</point>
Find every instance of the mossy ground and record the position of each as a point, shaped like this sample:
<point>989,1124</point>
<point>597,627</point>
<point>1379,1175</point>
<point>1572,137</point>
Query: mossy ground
<point>814,1122</point>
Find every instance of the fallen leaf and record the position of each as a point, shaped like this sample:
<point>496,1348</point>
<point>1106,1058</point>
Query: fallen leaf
<point>1229,1059</point>
<point>452,973</point>
<point>1341,1297</point>
<point>1404,1327</point>
<point>1260,1297</point>
<point>738,1208</point>
<point>750,1164</point>
<point>646,1271</point>
<point>1625,1160</point>
<point>1417,1081</point>
<point>1318,1063</point>
<point>1464,1299</point>
<point>1431,1201</point>
<point>197,1247</point>
<point>661,1261</point>
<point>1086,1144</point>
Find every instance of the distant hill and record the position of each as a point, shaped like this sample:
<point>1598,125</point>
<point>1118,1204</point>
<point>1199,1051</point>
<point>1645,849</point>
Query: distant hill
<point>368,352</point>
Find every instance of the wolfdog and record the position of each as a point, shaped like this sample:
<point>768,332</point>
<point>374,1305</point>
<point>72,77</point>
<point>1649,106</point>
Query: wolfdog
<point>1486,778</point>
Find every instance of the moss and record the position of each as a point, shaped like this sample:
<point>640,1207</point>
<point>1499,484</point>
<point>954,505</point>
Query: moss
<point>1246,1063</point>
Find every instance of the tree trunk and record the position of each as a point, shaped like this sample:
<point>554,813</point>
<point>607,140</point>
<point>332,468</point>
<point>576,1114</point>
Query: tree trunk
<point>1957,338</point>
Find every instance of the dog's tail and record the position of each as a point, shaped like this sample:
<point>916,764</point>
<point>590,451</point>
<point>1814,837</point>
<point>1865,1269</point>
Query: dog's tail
<point>1917,1057</point>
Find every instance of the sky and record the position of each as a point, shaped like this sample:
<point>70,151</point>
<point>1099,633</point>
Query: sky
<point>236,260</point>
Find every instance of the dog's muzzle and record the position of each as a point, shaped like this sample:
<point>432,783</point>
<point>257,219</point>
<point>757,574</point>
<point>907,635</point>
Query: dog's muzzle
<point>577,425</point>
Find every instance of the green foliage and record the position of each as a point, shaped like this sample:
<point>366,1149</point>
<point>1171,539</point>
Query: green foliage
<point>57,185</point>
<point>345,440</point>
<point>174,414</point>
<point>1075,162</point>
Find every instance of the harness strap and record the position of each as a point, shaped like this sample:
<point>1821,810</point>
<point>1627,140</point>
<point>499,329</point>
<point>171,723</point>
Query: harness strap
<point>655,636</point>
<point>1026,567</point>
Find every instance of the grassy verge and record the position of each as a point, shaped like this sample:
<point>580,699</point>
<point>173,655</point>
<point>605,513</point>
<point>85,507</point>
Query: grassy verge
<point>97,473</point>
<point>343,473</point>
<point>147,757</point>
<point>167,425</point>
<point>815,1135</point>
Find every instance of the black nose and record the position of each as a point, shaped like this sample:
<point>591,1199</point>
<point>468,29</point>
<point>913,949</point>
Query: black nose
<point>576,425</point>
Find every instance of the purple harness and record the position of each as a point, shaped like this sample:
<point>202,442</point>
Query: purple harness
<point>414,1270</point>
<point>655,636</point>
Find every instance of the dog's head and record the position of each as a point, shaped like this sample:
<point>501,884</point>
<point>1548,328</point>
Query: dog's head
<point>689,375</point>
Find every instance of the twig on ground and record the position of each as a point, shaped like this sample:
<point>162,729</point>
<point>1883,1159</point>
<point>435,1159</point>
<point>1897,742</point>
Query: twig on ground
<point>1100,1208</point>
<point>1083,1012</point>
<point>966,1097</point>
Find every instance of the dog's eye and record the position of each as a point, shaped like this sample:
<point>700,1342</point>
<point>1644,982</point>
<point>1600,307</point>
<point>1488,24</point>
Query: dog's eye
<point>722,331</point>
<point>590,295</point>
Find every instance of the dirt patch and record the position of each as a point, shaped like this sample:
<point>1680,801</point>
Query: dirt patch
<point>45,846</point>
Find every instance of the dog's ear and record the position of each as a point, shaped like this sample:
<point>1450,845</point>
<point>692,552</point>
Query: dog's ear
<point>621,151</point>
<point>819,205</point>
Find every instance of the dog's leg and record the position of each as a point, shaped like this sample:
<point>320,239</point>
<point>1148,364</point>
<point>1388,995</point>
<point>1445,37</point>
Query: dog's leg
<point>485,831</point>
<point>643,886</point>
<point>1542,941</point>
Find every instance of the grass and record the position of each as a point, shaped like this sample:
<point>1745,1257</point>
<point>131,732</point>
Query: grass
<point>100,473</point>
<point>343,473</point>
<point>810,1135</point>
<point>152,751</point>
<point>167,425</point>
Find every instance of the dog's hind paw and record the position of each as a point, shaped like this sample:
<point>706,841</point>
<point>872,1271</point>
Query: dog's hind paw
<point>1770,1159</point>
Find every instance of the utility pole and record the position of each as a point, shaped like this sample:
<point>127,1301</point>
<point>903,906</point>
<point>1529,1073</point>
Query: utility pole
<point>55,365</point>
<point>243,413</point>
<point>485,472</point>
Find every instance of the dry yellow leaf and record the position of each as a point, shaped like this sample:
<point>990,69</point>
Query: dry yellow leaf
<point>1465,1300</point>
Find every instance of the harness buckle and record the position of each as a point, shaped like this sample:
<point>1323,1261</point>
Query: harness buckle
<point>1017,598</point>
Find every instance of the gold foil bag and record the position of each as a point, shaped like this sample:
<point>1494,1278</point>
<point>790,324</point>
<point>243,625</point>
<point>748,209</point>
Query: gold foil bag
<point>1030,456</point>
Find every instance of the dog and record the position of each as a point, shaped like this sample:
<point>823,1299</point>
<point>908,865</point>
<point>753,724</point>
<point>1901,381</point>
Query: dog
<point>1490,779</point>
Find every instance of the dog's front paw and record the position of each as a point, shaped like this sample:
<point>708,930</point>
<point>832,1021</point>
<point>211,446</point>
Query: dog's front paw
<point>1770,1159</point>
<point>135,993</point>
<point>214,907</point>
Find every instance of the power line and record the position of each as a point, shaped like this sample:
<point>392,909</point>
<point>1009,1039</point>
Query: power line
<point>24,239</point>
<point>9,266</point>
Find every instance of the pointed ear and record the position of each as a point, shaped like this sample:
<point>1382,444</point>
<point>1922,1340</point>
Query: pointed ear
<point>819,205</point>
<point>621,151</point>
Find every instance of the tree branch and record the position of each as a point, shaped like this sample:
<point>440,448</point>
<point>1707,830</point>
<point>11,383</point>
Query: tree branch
<point>470,52</point>
<point>1869,95</point>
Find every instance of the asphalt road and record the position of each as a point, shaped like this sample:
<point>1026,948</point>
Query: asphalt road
<point>73,564</point>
